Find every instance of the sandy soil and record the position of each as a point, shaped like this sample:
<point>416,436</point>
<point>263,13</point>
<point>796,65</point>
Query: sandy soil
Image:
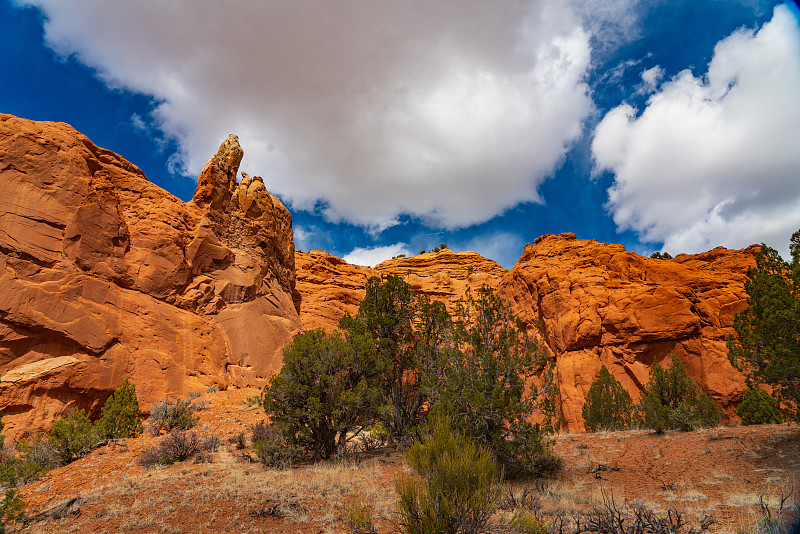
<point>720,472</point>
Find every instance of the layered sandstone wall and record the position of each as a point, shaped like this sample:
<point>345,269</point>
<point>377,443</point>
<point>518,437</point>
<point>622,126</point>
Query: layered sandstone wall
<point>105,276</point>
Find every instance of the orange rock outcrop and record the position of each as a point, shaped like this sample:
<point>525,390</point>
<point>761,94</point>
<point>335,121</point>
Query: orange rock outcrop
<point>106,276</point>
<point>445,275</point>
<point>597,304</point>
<point>600,304</point>
<point>331,287</point>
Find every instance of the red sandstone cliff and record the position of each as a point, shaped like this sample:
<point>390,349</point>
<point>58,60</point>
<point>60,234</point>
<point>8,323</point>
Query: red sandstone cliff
<point>598,304</point>
<point>105,276</point>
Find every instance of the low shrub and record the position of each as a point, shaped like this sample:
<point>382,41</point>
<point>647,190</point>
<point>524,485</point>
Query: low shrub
<point>457,488</point>
<point>177,446</point>
<point>359,519</point>
<point>271,447</point>
<point>239,440</point>
<point>759,408</point>
<point>261,431</point>
<point>634,518</point>
<point>169,416</point>
<point>525,522</point>
<point>72,437</point>
<point>375,437</point>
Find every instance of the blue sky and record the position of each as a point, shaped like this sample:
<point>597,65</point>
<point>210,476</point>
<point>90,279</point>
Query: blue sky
<point>392,127</point>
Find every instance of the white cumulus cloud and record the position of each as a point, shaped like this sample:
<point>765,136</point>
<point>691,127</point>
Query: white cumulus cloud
<point>448,111</point>
<point>714,159</point>
<point>374,255</point>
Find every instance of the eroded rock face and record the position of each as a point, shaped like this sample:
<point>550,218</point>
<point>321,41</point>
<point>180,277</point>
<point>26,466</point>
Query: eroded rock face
<point>106,276</point>
<point>331,287</point>
<point>599,304</point>
<point>445,275</point>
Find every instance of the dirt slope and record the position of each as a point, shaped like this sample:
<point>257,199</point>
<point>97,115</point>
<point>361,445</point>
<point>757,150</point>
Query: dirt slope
<point>721,472</point>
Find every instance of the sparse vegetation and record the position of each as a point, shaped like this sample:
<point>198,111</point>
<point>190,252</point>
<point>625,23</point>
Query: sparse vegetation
<point>608,405</point>
<point>673,401</point>
<point>177,446</point>
<point>661,255</point>
<point>168,416</point>
<point>611,517</point>
<point>440,248</point>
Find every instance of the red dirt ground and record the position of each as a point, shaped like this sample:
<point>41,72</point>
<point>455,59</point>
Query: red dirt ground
<point>719,472</point>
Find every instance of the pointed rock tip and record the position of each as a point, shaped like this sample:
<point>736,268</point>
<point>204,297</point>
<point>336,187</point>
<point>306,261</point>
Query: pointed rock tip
<point>230,154</point>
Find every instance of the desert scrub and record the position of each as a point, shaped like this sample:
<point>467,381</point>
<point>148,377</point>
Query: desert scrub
<point>457,488</point>
<point>169,416</point>
<point>271,447</point>
<point>610,517</point>
<point>177,446</point>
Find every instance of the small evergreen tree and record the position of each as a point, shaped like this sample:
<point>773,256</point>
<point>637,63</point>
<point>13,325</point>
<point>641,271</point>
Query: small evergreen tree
<point>673,401</point>
<point>608,406</point>
<point>759,408</point>
<point>482,385</point>
<point>458,489</point>
<point>326,389</point>
<point>120,414</point>
<point>766,347</point>
<point>12,509</point>
<point>387,316</point>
